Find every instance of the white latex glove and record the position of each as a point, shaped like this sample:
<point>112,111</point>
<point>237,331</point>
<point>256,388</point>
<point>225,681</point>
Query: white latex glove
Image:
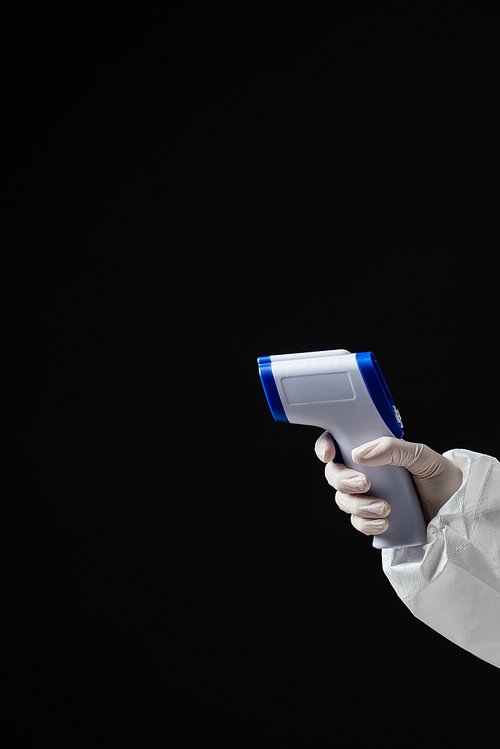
<point>436,478</point>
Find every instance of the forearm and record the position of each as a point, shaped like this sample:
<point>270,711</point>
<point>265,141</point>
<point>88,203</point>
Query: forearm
<point>452,583</point>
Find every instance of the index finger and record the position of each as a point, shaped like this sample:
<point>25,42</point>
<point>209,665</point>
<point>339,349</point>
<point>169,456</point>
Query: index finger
<point>324,448</point>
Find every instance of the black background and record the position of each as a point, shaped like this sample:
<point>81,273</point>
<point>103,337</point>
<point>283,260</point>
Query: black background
<point>202,191</point>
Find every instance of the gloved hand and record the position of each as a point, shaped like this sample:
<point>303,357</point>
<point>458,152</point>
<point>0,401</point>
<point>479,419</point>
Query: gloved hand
<point>436,478</point>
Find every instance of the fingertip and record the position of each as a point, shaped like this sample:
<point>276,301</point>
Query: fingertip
<point>324,448</point>
<point>376,527</point>
<point>369,527</point>
<point>365,454</point>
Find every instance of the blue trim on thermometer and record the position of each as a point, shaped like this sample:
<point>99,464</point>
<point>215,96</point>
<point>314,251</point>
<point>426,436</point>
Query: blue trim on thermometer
<point>379,392</point>
<point>270,389</point>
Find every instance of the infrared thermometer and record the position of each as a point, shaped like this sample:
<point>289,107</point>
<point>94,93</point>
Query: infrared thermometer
<point>346,394</point>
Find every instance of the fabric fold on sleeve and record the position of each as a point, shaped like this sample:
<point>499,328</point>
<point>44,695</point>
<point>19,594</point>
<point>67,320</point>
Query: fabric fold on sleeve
<point>452,584</point>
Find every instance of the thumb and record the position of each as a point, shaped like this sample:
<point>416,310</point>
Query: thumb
<point>418,459</point>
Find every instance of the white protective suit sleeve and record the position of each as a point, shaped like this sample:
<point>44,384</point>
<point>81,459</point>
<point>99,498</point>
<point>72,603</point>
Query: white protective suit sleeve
<point>452,584</point>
